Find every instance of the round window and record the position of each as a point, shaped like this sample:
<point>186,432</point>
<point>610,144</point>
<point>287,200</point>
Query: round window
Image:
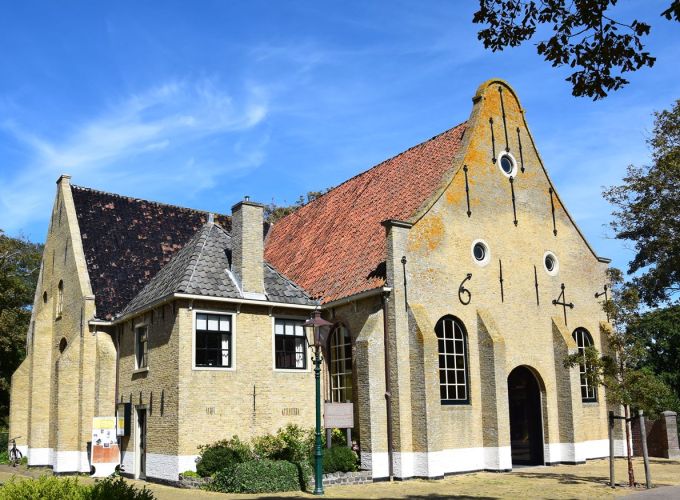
<point>507,164</point>
<point>551,264</point>
<point>480,252</point>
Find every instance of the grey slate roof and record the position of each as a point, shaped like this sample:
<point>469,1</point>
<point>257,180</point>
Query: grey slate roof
<point>200,268</point>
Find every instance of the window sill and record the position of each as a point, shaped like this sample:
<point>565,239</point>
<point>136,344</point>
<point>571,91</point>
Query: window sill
<point>213,368</point>
<point>292,370</point>
<point>141,370</point>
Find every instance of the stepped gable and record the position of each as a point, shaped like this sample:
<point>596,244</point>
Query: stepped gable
<point>127,241</point>
<point>335,246</point>
<point>200,268</point>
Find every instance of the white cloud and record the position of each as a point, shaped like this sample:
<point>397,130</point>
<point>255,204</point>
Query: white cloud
<point>160,121</point>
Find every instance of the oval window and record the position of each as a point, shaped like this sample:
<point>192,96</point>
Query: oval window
<point>550,263</point>
<point>480,252</point>
<point>507,164</point>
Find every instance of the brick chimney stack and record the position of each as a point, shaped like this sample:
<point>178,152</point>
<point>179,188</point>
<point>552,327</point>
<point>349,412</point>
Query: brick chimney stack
<point>247,262</point>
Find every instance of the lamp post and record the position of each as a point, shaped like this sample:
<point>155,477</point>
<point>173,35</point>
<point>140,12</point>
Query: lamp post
<point>317,322</point>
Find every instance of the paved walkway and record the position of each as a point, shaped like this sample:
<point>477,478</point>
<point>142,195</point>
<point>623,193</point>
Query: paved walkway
<point>561,482</point>
<point>664,493</point>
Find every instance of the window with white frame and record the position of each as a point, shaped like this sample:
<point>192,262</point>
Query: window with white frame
<point>142,346</point>
<point>289,344</point>
<point>453,372</point>
<point>341,365</point>
<point>583,341</point>
<point>213,341</point>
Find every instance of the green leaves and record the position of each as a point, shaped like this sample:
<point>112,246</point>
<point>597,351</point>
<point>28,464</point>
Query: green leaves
<point>647,212</point>
<point>584,37</point>
<point>19,270</point>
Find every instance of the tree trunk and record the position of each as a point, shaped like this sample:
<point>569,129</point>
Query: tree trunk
<point>631,473</point>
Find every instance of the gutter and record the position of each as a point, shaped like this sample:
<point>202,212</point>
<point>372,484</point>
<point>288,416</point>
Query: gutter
<point>357,296</point>
<point>168,298</point>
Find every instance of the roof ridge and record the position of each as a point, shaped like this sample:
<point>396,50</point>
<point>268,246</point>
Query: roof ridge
<point>378,165</point>
<point>200,253</point>
<point>151,202</point>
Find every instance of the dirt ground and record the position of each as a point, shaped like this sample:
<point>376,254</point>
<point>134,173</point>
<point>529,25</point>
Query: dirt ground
<point>565,481</point>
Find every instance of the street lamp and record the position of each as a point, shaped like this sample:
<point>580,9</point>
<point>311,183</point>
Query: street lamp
<point>317,323</point>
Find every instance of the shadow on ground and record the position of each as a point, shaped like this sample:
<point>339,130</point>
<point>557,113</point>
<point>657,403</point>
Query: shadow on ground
<point>563,478</point>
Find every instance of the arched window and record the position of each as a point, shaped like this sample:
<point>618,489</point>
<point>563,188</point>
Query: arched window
<point>454,387</point>
<point>584,340</point>
<point>60,298</point>
<point>341,365</point>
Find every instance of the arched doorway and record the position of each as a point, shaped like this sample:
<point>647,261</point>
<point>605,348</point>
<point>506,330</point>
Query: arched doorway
<point>526,422</point>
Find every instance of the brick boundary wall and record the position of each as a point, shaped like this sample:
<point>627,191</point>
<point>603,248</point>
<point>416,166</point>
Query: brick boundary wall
<point>662,436</point>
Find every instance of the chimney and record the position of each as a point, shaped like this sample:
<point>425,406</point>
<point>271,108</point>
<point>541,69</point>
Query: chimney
<point>247,261</point>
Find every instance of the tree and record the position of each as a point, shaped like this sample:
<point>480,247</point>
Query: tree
<point>274,212</point>
<point>648,213</point>
<point>584,37</point>
<point>19,267</point>
<point>620,370</point>
<point>659,333</point>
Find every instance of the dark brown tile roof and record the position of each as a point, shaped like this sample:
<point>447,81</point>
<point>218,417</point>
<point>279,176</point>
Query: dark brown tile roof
<point>334,246</point>
<point>127,241</point>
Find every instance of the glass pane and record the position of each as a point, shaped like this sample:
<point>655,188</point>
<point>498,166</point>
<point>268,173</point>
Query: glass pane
<point>442,376</point>
<point>201,321</point>
<point>225,341</point>
<point>200,357</point>
<point>442,392</point>
<point>278,328</point>
<point>442,361</point>
<point>299,330</point>
<point>290,329</point>
<point>225,358</point>
<point>225,324</point>
<point>213,323</point>
<point>201,340</point>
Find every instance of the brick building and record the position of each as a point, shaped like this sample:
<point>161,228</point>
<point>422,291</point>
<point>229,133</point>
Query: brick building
<point>454,276</point>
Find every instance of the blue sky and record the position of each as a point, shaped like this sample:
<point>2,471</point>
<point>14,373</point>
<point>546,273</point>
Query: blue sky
<point>199,103</point>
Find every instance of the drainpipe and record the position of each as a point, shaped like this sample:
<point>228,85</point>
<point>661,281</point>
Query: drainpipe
<point>388,389</point>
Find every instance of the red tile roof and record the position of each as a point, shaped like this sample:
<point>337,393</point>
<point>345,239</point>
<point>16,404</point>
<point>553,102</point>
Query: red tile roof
<point>334,246</point>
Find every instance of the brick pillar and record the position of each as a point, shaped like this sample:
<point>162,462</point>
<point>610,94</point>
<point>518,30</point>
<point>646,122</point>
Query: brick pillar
<point>495,412</point>
<point>399,347</point>
<point>670,425</point>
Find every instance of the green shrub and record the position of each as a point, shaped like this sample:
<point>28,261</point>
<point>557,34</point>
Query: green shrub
<point>257,476</point>
<point>291,443</point>
<point>222,455</point>
<point>339,459</point>
<point>117,489</point>
<point>44,488</point>
<point>190,473</point>
<point>56,488</point>
<point>4,457</point>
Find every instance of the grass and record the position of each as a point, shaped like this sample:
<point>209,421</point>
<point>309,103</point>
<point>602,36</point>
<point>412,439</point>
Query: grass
<point>561,482</point>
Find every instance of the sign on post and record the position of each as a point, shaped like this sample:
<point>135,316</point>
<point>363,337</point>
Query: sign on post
<point>338,415</point>
<point>105,452</point>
